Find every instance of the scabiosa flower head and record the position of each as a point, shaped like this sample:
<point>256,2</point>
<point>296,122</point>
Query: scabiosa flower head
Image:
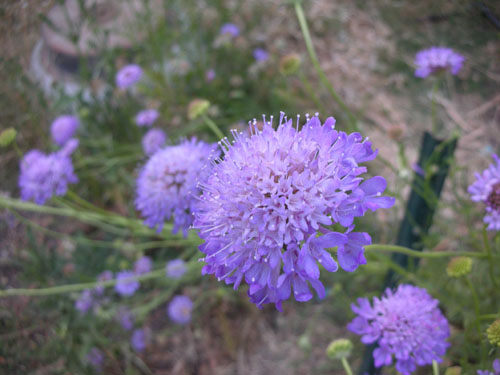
<point>179,309</point>
<point>496,369</point>
<point>274,192</point>
<point>167,184</point>
<point>459,266</point>
<point>231,29</point>
<point>63,128</point>
<point>140,338</point>
<point>143,265</point>
<point>176,269</point>
<point>486,189</point>
<point>128,76</point>
<point>146,117</point>
<point>125,317</point>
<point>493,333</point>
<point>210,75</point>
<point>44,175</point>
<point>126,284</point>
<point>95,357</point>
<point>406,324</point>
<point>85,302</point>
<point>436,59</point>
<point>153,140</point>
<point>260,54</point>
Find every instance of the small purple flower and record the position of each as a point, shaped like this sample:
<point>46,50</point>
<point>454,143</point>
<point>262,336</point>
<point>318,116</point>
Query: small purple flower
<point>103,276</point>
<point>176,269</point>
<point>153,141</point>
<point>128,76</point>
<point>126,284</point>
<point>63,128</point>
<point>179,309</point>
<point>85,302</point>
<point>143,265</point>
<point>418,169</point>
<point>486,189</point>
<point>167,184</point>
<point>436,59</point>
<point>95,357</point>
<point>260,54</point>
<point>231,29</point>
<point>139,340</point>
<point>43,176</point>
<point>210,75</point>
<point>273,193</point>
<point>125,317</point>
<point>496,369</point>
<point>406,324</point>
<point>146,117</point>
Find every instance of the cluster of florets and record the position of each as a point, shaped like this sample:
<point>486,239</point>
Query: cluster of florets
<point>179,309</point>
<point>437,59</point>
<point>167,184</point>
<point>266,209</point>
<point>486,189</point>
<point>128,76</point>
<point>63,128</point>
<point>45,175</point>
<point>153,141</point>
<point>406,324</point>
<point>146,117</point>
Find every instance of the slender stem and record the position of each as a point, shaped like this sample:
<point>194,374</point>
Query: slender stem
<point>213,127</point>
<point>490,257</point>
<point>435,87</point>
<point>347,368</point>
<point>314,59</point>
<point>422,254</point>
<point>435,367</point>
<point>489,316</point>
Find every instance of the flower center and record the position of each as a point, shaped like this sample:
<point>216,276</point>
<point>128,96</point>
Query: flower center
<point>493,199</point>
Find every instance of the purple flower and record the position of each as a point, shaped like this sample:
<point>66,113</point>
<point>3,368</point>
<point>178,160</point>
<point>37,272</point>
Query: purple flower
<point>153,140</point>
<point>143,265</point>
<point>176,269</point>
<point>406,324</point>
<point>43,176</point>
<point>210,75</point>
<point>496,369</point>
<point>179,309</point>
<point>63,128</point>
<point>103,276</point>
<point>274,192</point>
<point>418,169</point>
<point>231,29</point>
<point>436,59</point>
<point>139,339</point>
<point>167,184</point>
<point>146,117</point>
<point>126,284</point>
<point>95,357</point>
<point>486,189</point>
<point>125,317</point>
<point>260,54</point>
<point>85,302</point>
<point>128,76</point>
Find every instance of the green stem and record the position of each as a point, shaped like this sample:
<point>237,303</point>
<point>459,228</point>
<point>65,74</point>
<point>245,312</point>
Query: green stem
<point>433,107</point>
<point>489,316</point>
<point>347,368</point>
<point>213,127</point>
<point>490,256</point>
<point>314,58</point>
<point>422,254</point>
<point>435,368</point>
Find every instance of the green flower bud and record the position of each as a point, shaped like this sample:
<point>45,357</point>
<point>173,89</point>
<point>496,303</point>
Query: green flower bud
<point>339,349</point>
<point>493,333</point>
<point>197,108</point>
<point>289,64</point>
<point>304,343</point>
<point>7,137</point>
<point>453,370</point>
<point>459,266</point>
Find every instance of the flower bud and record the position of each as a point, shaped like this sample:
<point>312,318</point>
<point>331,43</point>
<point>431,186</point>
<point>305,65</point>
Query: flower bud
<point>453,370</point>
<point>289,64</point>
<point>493,333</point>
<point>7,137</point>
<point>339,349</point>
<point>304,343</point>
<point>459,266</point>
<point>197,108</point>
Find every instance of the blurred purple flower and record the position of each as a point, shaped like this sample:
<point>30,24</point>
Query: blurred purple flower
<point>143,265</point>
<point>272,194</point>
<point>179,309</point>
<point>167,184</point>
<point>125,317</point>
<point>95,357</point>
<point>153,141</point>
<point>139,340</point>
<point>436,59</point>
<point>260,54</point>
<point>176,269</point>
<point>486,189</point>
<point>418,169</point>
<point>126,284</point>
<point>146,117</point>
<point>210,75</point>
<point>496,369</point>
<point>231,29</point>
<point>406,324</point>
<point>103,276</point>
<point>43,176</point>
<point>128,76</point>
<point>85,302</point>
<point>63,128</point>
